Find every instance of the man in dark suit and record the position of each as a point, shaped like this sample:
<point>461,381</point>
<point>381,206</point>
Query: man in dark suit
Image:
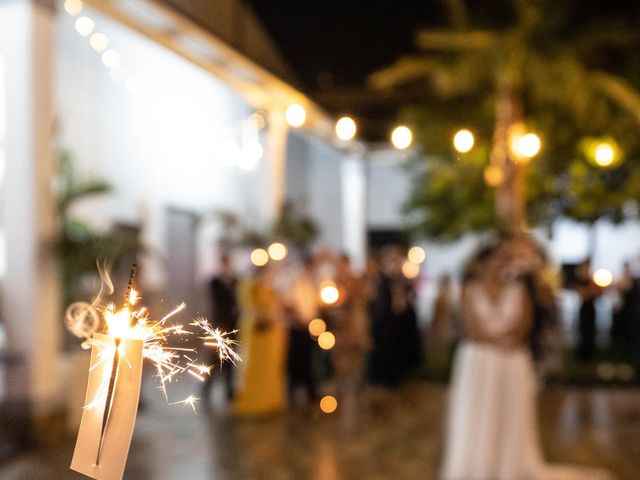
<point>224,307</point>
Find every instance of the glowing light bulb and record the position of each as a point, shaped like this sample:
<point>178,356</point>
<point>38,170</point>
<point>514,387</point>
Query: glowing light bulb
<point>84,26</point>
<point>99,42</point>
<point>326,340</point>
<point>328,404</point>
<point>346,128</point>
<point>295,115</point>
<point>401,137</point>
<point>604,155</point>
<point>329,293</point>
<point>528,145</point>
<point>277,251</point>
<point>73,7</point>
<point>111,58</point>
<point>602,277</point>
<point>410,270</point>
<point>463,140</point>
<point>416,255</point>
<point>493,175</point>
<point>259,257</point>
<point>317,327</point>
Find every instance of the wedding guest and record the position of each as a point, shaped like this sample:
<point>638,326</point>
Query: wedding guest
<point>589,292</point>
<point>302,307</point>
<point>262,389</point>
<point>442,329</point>
<point>351,327</point>
<point>224,313</point>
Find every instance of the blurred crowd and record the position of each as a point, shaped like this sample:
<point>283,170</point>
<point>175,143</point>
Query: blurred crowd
<point>311,325</point>
<point>307,325</point>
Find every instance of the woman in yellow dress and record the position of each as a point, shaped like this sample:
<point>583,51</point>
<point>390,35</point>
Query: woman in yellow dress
<point>262,390</point>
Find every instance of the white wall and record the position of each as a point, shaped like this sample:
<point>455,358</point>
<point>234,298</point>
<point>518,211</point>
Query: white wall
<point>165,145</point>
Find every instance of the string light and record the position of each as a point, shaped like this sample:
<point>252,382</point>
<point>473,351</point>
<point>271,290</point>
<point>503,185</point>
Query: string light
<point>463,140</point>
<point>346,128</point>
<point>84,26</point>
<point>73,7</point>
<point>328,404</point>
<point>259,257</point>
<point>602,277</point>
<point>317,327</point>
<point>326,340</point>
<point>401,137</point>
<point>416,255</point>
<point>295,115</point>
<point>99,42</point>
<point>277,251</point>
<point>111,58</point>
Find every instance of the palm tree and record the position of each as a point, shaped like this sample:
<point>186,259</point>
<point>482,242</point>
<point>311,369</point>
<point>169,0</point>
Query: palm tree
<point>533,67</point>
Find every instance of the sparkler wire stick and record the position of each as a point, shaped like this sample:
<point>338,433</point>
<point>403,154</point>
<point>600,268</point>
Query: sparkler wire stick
<point>114,366</point>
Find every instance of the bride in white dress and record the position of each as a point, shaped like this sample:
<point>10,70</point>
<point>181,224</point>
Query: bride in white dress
<point>492,431</point>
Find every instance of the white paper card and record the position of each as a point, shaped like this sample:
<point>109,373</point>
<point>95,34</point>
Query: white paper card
<point>124,407</point>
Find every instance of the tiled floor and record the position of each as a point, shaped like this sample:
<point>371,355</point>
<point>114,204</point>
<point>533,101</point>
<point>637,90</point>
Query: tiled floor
<point>399,439</point>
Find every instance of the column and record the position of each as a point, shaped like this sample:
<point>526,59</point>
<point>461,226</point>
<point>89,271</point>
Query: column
<point>354,208</point>
<point>30,287</point>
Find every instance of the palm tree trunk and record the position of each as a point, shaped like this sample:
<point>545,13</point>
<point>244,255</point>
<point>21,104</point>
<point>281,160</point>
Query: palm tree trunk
<point>510,193</point>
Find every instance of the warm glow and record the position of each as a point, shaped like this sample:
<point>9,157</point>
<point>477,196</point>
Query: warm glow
<point>277,251</point>
<point>493,175</point>
<point>99,42</point>
<point>317,327</point>
<point>416,255</point>
<point>259,257</point>
<point>463,140</point>
<point>329,293</point>
<point>328,404</point>
<point>73,7</point>
<point>295,115</point>
<point>410,270</point>
<point>326,340</point>
<point>111,58</point>
<point>528,145</point>
<point>346,128</point>
<point>118,322</point>
<point>84,26</point>
<point>604,155</point>
<point>401,137</point>
<point>602,277</point>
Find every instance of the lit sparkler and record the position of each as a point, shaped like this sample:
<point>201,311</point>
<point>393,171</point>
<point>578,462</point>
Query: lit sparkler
<point>122,327</point>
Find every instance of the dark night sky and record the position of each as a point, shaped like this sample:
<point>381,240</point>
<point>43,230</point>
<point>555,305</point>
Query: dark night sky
<point>334,45</point>
<point>349,39</point>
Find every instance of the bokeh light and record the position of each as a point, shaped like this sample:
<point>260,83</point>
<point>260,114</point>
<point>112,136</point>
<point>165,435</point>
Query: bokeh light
<point>84,26</point>
<point>111,58</point>
<point>329,293</point>
<point>604,154</point>
<point>259,257</point>
<point>528,145</point>
<point>73,7</point>
<point>295,115</point>
<point>99,42</point>
<point>277,251</point>
<point>602,277</point>
<point>401,137</point>
<point>326,340</point>
<point>328,404</point>
<point>416,255</point>
<point>317,327</point>
<point>463,140</point>
<point>493,175</point>
<point>410,270</point>
<point>346,128</point>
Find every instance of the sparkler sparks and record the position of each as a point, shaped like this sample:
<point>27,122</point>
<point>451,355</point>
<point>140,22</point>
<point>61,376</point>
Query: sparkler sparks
<point>158,336</point>
<point>219,339</point>
<point>190,401</point>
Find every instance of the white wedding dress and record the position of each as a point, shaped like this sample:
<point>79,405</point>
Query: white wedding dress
<point>492,429</point>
